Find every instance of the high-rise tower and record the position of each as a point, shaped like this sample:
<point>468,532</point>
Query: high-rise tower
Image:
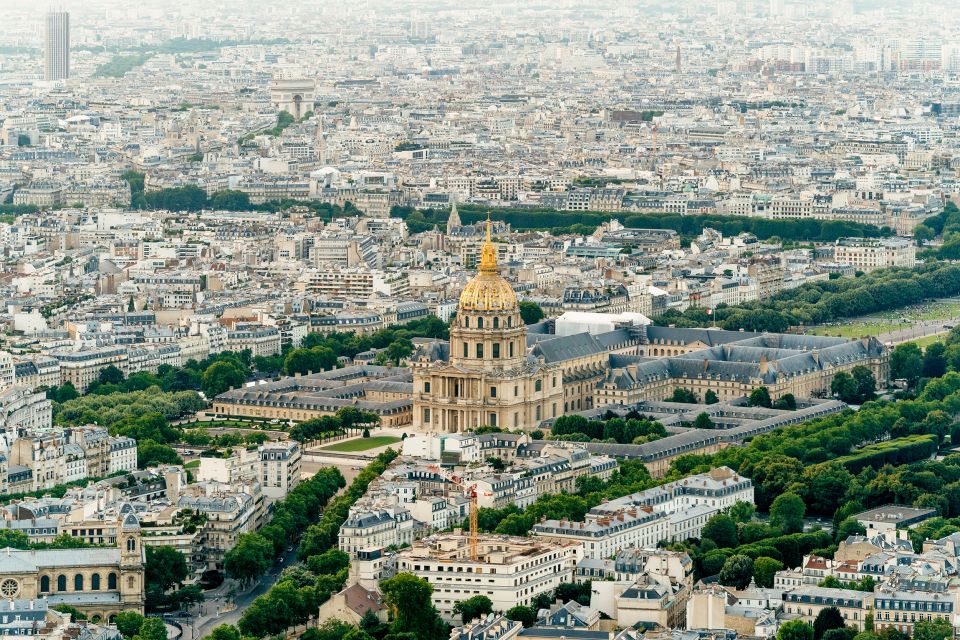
<point>57,46</point>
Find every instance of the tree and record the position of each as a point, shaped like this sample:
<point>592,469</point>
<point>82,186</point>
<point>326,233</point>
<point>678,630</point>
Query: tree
<point>408,596</point>
<point>530,312</point>
<point>523,614</point>
<point>313,360</point>
<point>849,527</point>
<point>787,513</point>
<point>846,633</point>
<point>224,632</point>
<point>129,623</point>
<point>13,539</point>
<point>722,530</point>
<point>710,397</point>
<point>922,233</point>
<point>906,363</point>
<point>222,376</point>
<point>328,562</point>
<point>844,388</point>
<point>110,375</point>
<point>152,629</point>
<point>795,630</point>
<point>75,614</point>
<point>866,383</point>
<point>165,567</point>
<point>764,570</point>
<point>934,362</point>
<point>938,629</point>
<point>787,401</point>
<point>473,608</point>
<point>742,511</point>
<point>249,558</point>
<point>683,395</point>
<point>760,397</point>
<point>703,421</point>
<point>151,454</point>
<point>828,618</point>
<point>737,571</point>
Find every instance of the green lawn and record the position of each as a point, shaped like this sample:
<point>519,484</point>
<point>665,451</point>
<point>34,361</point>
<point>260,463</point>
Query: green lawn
<point>872,325</point>
<point>926,341</point>
<point>854,329</point>
<point>193,464</point>
<point>362,444</point>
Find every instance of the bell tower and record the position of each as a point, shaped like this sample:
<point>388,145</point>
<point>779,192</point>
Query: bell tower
<point>132,559</point>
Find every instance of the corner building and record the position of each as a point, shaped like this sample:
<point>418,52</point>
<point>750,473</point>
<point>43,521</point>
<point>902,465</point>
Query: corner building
<point>486,377</point>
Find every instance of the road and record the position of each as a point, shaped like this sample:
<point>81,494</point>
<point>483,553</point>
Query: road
<point>350,464</point>
<point>217,599</point>
<point>915,331</point>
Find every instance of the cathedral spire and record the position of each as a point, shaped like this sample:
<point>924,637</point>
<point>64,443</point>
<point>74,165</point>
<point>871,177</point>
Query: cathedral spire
<point>488,255</point>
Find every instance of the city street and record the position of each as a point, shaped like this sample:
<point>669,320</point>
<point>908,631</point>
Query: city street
<point>217,599</point>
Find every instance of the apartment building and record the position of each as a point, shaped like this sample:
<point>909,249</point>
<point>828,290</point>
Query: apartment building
<point>260,340</point>
<point>670,512</point>
<point>229,514</point>
<point>81,368</point>
<point>867,254</point>
<point>603,536</point>
<point>123,454</point>
<point>279,468</point>
<point>808,601</point>
<point>902,608</point>
<point>23,409</point>
<point>44,456</point>
<point>377,527</point>
<point>510,571</point>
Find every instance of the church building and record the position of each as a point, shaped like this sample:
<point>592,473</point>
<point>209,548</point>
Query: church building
<point>484,376</point>
<point>99,581</point>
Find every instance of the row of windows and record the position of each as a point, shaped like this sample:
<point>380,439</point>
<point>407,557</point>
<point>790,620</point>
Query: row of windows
<point>479,322</point>
<point>78,582</point>
<point>495,350</point>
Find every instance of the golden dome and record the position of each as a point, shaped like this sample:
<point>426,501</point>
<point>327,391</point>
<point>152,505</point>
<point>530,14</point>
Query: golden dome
<point>488,291</point>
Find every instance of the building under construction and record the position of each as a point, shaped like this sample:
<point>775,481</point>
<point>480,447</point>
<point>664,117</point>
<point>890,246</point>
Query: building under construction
<point>509,570</point>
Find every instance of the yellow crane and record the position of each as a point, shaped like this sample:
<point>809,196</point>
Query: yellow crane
<point>471,492</point>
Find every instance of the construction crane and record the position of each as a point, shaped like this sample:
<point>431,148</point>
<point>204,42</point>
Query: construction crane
<point>471,492</point>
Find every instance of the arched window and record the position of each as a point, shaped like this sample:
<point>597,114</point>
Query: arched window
<point>510,349</point>
<point>496,349</point>
<point>479,349</point>
<point>45,584</point>
<point>496,323</point>
<point>509,321</point>
<point>131,544</point>
<point>479,323</point>
<point>95,582</point>
<point>538,412</point>
<point>538,385</point>
<point>61,583</point>
<point>465,354</point>
<point>78,582</point>
<point>112,581</point>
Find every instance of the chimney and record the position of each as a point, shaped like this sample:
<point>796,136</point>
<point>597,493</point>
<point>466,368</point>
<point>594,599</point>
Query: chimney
<point>706,363</point>
<point>763,365</point>
<point>815,354</point>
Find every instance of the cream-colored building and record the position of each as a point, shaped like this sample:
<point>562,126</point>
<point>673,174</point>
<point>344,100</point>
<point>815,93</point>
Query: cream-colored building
<point>99,581</point>
<point>510,571</point>
<point>485,377</point>
<point>867,254</point>
<point>808,601</point>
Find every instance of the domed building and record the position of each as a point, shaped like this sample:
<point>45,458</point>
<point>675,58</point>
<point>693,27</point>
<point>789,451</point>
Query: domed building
<point>484,376</point>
